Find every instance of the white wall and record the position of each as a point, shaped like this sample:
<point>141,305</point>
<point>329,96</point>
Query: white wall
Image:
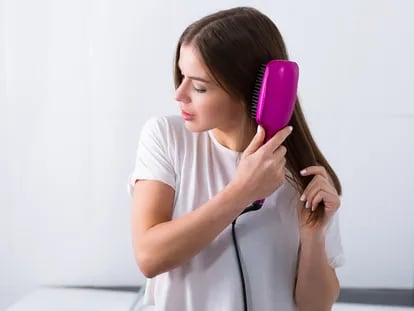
<point>78,79</point>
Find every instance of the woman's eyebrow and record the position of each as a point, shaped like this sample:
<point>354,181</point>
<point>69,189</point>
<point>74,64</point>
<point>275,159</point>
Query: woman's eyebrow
<point>199,79</point>
<point>194,77</point>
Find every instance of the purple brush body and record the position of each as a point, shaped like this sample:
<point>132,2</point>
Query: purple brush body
<point>274,98</point>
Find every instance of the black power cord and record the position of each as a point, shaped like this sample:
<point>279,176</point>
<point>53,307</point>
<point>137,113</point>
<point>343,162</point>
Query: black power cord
<point>236,246</point>
<point>254,207</point>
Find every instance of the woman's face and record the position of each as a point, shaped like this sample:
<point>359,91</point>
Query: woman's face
<point>204,104</point>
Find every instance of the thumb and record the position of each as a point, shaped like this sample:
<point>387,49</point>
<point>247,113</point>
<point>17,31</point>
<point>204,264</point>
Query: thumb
<point>256,142</point>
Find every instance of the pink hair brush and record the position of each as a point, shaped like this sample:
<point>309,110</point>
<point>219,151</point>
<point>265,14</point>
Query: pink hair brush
<point>274,98</point>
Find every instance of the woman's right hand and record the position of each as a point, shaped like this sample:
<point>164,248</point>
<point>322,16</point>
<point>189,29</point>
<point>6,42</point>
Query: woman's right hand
<point>261,169</point>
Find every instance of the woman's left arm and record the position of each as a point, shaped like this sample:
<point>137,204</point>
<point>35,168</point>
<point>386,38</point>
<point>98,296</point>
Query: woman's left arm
<point>317,286</point>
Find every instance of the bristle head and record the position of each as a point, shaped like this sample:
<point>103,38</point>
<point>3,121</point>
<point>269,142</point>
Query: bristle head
<point>256,90</point>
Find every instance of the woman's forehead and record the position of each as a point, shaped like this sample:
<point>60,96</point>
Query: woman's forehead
<point>191,63</point>
<point>190,58</point>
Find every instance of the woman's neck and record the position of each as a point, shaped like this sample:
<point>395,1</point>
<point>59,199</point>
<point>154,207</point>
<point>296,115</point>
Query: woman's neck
<point>236,138</point>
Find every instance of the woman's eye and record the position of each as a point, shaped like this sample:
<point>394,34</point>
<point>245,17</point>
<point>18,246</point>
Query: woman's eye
<point>199,90</point>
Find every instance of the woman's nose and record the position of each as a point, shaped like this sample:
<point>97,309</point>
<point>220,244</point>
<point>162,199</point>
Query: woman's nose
<point>181,93</point>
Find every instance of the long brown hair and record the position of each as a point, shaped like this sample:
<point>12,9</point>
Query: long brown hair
<point>233,44</point>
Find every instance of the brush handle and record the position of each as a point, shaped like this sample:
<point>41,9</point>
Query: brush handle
<point>267,138</point>
<point>260,202</point>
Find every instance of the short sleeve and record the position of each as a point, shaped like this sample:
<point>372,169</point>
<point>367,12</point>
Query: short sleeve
<point>153,156</point>
<point>333,243</point>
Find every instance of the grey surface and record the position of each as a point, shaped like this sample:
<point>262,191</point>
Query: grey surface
<point>388,297</point>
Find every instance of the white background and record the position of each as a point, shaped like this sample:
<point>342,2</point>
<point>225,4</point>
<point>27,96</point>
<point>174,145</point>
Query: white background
<point>79,78</point>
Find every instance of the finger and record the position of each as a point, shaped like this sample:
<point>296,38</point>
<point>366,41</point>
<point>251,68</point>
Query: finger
<point>325,196</point>
<point>314,170</point>
<point>317,183</point>
<point>277,139</point>
<point>281,151</point>
<point>317,198</point>
<point>308,190</point>
<point>256,142</point>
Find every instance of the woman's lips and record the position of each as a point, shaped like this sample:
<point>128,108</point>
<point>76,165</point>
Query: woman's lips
<point>186,116</point>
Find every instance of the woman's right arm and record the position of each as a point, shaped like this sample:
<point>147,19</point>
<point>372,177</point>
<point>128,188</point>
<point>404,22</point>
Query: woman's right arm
<point>162,243</point>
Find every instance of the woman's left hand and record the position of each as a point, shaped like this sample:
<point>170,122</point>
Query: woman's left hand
<point>321,188</point>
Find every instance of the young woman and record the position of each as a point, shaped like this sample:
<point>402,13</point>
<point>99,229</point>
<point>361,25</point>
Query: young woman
<point>196,173</point>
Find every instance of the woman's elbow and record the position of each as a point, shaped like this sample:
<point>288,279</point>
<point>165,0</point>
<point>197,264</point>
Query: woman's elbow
<point>147,265</point>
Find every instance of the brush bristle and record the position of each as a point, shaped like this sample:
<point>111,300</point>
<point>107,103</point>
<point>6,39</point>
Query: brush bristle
<point>256,91</point>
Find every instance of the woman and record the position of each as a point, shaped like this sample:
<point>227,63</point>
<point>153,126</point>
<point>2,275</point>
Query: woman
<point>196,174</point>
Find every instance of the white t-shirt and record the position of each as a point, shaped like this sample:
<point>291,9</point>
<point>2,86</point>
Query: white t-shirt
<point>197,166</point>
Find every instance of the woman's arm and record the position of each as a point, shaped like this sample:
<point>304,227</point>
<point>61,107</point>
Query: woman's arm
<point>317,286</point>
<point>162,244</point>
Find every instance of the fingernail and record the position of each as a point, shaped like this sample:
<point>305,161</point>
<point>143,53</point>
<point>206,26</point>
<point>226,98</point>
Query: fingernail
<point>259,128</point>
<point>307,205</point>
<point>290,128</point>
<point>303,171</point>
<point>302,198</point>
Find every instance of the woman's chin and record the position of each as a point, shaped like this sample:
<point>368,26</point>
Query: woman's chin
<point>192,126</point>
